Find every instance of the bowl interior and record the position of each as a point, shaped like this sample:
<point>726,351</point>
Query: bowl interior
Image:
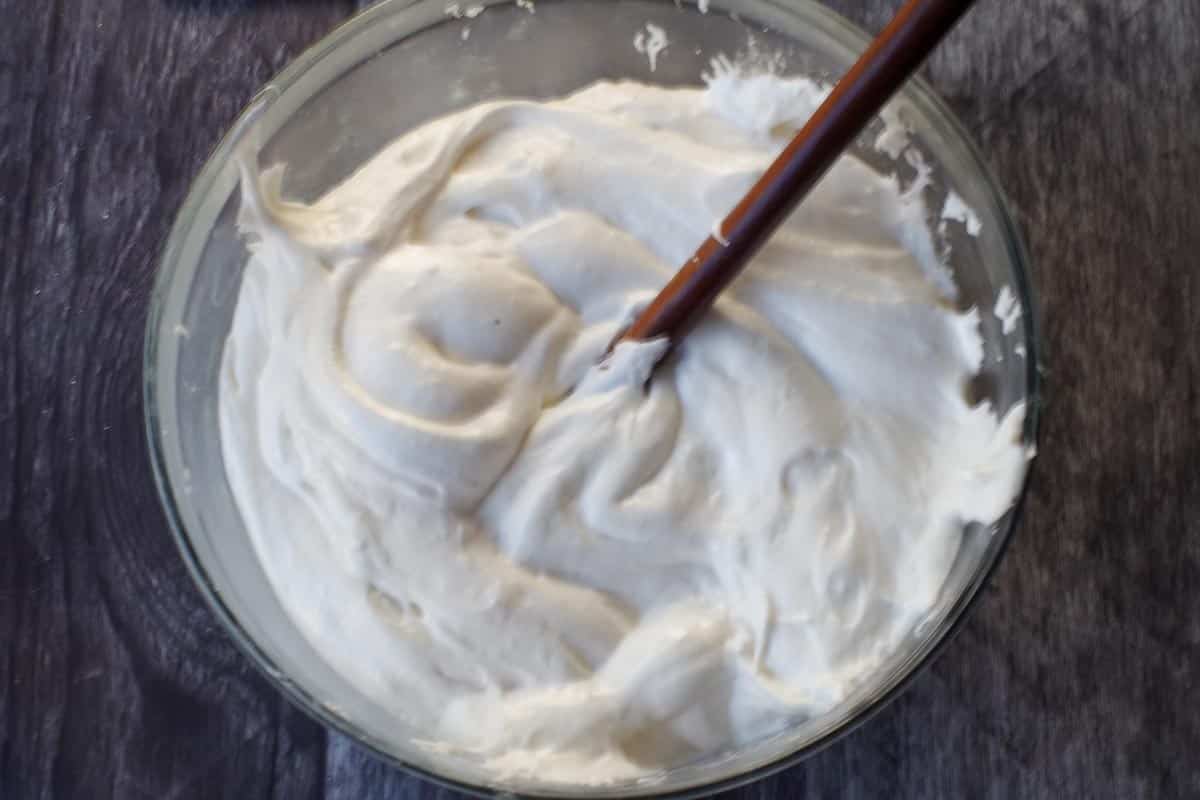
<point>402,63</point>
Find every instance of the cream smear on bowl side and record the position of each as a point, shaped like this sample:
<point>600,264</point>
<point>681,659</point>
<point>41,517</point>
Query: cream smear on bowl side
<point>530,556</point>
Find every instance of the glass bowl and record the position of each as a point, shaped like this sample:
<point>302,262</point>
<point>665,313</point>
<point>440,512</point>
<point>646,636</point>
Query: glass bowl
<point>324,116</point>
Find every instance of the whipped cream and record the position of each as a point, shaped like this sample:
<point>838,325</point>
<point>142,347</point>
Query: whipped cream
<point>545,563</point>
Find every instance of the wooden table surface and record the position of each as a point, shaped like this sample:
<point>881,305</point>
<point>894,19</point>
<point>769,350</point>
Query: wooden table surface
<point>1078,675</point>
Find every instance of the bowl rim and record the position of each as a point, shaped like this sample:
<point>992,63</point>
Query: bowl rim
<point>844,33</point>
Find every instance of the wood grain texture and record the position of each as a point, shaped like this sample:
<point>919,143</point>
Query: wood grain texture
<point>1077,676</point>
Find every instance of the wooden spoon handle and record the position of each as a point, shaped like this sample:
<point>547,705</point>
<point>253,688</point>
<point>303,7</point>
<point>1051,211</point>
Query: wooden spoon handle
<point>890,60</point>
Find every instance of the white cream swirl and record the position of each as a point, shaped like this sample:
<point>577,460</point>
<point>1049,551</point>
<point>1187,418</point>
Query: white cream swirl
<point>535,558</point>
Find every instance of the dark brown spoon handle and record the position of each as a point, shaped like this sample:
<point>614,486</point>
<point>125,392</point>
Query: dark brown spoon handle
<point>890,60</point>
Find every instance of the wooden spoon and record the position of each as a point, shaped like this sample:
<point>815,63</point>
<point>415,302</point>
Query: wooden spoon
<point>890,60</point>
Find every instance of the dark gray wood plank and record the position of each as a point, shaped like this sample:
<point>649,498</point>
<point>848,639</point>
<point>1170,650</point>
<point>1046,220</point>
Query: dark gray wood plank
<point>1075,677</point>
